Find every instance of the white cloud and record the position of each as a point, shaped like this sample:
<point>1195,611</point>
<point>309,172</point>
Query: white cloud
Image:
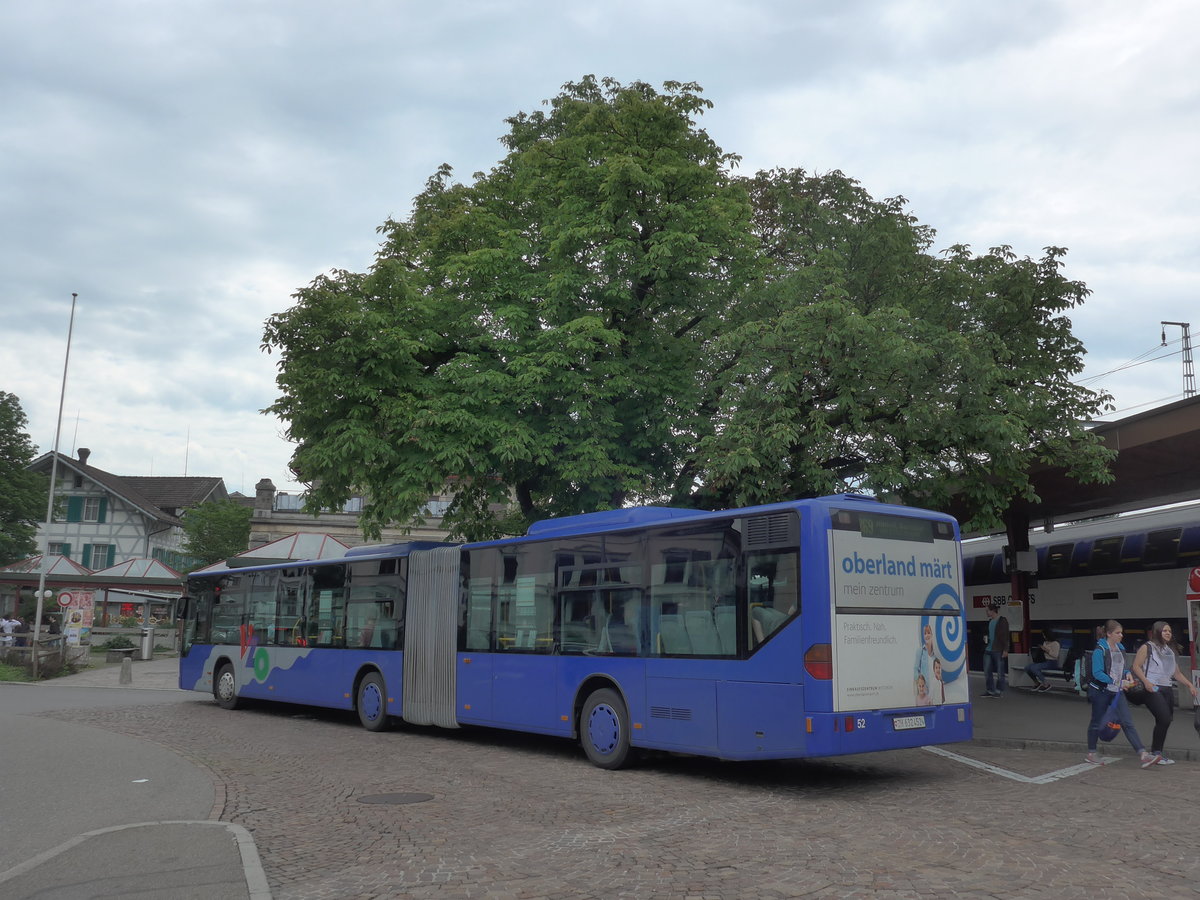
<point>186,167</point>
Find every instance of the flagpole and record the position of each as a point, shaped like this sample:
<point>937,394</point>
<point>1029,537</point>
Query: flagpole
<point>41,589</point>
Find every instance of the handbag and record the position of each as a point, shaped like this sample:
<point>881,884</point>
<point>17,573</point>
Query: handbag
<point>1137,693</point>
<point>1109,726</point>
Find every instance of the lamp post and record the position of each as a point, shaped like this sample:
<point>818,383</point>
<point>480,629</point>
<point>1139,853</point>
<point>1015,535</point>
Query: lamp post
<point>42,593</point>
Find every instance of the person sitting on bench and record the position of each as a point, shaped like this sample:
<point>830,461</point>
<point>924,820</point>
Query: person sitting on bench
<point>1050,649</point>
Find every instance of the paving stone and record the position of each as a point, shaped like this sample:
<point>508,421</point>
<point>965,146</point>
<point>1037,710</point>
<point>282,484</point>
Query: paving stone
<point>516,817</point>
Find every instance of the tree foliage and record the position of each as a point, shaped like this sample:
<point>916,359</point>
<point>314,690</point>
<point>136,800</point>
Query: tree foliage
<point>216,530</point>
<point>530,335</point>
<point>22,492</point>
<point>870,364</point>
<point>612,315</point>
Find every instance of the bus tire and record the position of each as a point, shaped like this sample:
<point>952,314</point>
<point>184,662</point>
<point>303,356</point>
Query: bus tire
<point>604,729</point>
<point>225,688</point>
<point>371,702</point>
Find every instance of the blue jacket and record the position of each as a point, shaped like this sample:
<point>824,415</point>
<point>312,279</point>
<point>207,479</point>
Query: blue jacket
<point>1101,659</point>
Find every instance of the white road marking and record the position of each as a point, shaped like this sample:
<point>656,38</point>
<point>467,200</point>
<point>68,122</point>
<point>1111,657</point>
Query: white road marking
<point>1016,776</point>
<point>257,887</point>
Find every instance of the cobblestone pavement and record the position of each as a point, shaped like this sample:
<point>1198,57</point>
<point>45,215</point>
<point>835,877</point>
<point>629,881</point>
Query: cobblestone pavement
<point>513,816</point>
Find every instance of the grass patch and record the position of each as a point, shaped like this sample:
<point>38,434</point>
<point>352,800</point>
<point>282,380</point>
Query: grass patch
<point>13,673</point>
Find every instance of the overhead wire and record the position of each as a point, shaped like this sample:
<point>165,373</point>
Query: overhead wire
<point>1139,360</point>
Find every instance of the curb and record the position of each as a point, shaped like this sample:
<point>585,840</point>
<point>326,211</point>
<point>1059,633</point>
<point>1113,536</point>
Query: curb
<point>1065,747</point>
<point>252,870</point>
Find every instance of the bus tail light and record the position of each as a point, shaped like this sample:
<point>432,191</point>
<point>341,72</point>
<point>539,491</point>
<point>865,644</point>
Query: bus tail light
<point>818,661</point>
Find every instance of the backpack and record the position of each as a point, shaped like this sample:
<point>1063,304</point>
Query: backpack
<point>1092,666</point>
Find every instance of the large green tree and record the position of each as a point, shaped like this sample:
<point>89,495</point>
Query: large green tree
<point>612,315</point>
<point>22,492</point>
<point>868,363</point>
<point>216,530</point>
<point>532,335</point>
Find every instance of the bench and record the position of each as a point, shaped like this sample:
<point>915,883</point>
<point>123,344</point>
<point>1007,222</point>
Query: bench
<point>116,654</point>
<point>1058,675</point>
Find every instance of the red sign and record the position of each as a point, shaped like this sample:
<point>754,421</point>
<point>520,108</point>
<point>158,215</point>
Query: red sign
<point>76,599</point>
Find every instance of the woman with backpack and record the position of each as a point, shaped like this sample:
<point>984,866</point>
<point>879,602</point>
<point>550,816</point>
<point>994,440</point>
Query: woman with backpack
<point>1155,667</point>
<point>1109,678</point>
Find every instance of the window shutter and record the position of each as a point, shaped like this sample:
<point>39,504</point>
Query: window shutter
<point>87,556</point>
<point>103,508</point>
<point>112,555</point>
<point>67,551</point>
<point>74,509</point>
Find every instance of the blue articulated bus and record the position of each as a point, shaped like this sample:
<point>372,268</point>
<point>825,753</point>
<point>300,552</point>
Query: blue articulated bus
<point>803,629</point>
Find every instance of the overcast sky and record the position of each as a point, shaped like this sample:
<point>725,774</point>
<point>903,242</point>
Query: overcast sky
<point>186,166</point>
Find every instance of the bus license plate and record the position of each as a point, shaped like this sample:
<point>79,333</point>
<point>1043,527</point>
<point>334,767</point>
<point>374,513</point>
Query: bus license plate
<point>903,723</point>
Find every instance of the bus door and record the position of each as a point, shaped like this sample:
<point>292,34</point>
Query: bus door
<point>477,628</point>
<point>524,668</point>
<point>475,686</point>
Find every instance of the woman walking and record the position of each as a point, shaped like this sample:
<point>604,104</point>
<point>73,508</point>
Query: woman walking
<point>1155,667</point>
<point>1109,677</point>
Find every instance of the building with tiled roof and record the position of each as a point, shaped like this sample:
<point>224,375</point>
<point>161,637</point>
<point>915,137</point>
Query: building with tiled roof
<point>122,591</point>
<point>55,566</point>
<point>106,519</point>
<point>276,515</point>
<point>175,494</point>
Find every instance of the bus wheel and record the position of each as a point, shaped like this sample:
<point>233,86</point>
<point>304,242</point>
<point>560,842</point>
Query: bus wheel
<point>604,729</point>
<point>225,688</point>
<point>372,702</point>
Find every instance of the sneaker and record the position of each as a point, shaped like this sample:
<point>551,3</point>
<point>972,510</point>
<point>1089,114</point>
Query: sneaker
<point>1150,759</point>
<point>1166,762</point>
<point>1095,759</point>
<point>1044,686</point>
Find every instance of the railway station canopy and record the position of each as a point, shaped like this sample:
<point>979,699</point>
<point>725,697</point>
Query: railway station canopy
<point>1158,462</point>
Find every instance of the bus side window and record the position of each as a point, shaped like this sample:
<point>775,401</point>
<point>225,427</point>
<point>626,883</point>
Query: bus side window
<point>288,609</point>
<point>772,590</point>
<point>478,623</point>
<point>693,590</point>
<point>228,610</point>
<point>327,613</point>
<point>375,604</point>
<point>197,625</point>
<point>509,601</point>
<point>262,604</point>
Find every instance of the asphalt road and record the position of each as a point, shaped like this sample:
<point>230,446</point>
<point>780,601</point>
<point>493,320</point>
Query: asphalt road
<point>90,812</point>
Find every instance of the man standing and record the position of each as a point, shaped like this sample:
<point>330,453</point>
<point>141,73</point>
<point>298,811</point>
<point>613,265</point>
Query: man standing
<point>8,624</point>
<point>995,656</point>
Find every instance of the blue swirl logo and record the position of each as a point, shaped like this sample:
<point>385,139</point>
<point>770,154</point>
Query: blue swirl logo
<point>947,631</point>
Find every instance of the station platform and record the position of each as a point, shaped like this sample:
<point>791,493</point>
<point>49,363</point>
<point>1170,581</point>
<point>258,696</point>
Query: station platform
<point>1058,720</point>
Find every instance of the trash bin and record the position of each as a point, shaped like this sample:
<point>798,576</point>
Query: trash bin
<point>147,644</point>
